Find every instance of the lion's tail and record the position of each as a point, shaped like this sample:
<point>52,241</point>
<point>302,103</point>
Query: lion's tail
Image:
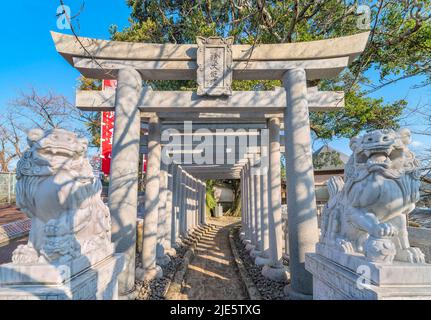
<point>335,184</point>
<point>329,218</point>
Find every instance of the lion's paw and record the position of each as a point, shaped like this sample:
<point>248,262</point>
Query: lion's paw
<point>25,253</point>
<point>384,230</point>
<point>411,254</point>
<point>345,246</point>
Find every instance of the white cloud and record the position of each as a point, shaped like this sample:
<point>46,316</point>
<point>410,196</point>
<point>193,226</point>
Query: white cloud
<point>417,144</point>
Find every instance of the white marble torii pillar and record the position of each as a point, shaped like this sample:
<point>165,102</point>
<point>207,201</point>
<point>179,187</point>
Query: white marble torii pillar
<point>179,207</point>
<point>123,186</point>
<point>257,208</point>
<point>203,219</point>
<point>302,213</point>
<point>170,220</point>
<point>248,231</point>
<point>175,205</point>
<point>149,236</point>
<point>195,204</point>
<point>162,257</point>
<point>242,234</point>
<point>263,257</point>
<point>274,269</point>
<point>190,217</point>
<point>249,234</point>
<point>246,199</point>
<point>183,206</point>
<point>188,203</point>
<point>250,246</point>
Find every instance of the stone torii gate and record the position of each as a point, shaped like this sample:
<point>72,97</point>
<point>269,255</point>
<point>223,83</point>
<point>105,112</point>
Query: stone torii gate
<point>214,63</point>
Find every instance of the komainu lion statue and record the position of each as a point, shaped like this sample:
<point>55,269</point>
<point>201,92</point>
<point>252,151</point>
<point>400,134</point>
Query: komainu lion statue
<point>57,189</point>
<point>367,213</point>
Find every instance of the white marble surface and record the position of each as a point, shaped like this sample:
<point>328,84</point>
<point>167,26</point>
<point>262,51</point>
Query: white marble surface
<point>367,213</point>
<point>96,283</point>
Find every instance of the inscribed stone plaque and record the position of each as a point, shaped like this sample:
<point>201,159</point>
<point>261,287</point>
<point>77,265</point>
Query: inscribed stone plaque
<point>214,59</point>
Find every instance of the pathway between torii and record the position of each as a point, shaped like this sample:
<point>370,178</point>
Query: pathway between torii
<point>213,274</point>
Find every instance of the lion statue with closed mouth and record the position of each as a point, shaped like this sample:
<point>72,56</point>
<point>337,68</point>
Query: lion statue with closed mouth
<point>57,189</point>
<point>367,212</point>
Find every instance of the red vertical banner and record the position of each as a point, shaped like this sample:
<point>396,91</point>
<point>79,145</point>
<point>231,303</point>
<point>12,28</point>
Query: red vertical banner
<point>144,163</point>
<point>107,129</point>
<point>106,140</point>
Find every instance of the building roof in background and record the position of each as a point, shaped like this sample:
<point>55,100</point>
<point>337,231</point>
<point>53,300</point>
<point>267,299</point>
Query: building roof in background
<point>327,162</point>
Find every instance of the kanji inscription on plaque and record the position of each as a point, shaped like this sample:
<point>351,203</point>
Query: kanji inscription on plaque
<point>214,60</point>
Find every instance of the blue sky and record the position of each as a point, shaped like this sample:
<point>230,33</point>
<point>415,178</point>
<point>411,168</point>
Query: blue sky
<point>28,57</point>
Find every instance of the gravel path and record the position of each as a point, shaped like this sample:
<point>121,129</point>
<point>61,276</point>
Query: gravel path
<point>155,290</point>
<point>268,289</point>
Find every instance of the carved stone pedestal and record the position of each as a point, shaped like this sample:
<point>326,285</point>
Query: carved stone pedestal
<point>61,282</point>
<point>341,276</point>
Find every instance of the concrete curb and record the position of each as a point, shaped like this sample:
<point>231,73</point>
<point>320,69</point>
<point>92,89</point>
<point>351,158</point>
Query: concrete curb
<point>175,284</point>
<point>252,290</point>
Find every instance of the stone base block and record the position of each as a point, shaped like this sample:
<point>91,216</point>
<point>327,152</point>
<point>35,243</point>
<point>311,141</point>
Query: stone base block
<point>47,282</point>
<point>261,260</point>
<point>149,274</point>
<point>177,244</point>
<point>278,274</point>
<point>340,276</point>
<point>163,260</point>
<point>254,253</point>
<point>295,295</point>
<point>246,242</point>
<point>171,251</point>
<point>249,247</point>
<point>132,295</point>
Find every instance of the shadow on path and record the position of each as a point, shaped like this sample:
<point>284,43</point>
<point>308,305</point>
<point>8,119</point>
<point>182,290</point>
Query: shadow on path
<point>213,274</point>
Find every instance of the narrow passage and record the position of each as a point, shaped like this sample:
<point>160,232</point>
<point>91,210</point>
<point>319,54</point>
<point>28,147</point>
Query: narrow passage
<point>213,274</point>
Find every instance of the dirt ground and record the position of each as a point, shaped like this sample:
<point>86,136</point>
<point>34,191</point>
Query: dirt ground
<point>10,213</point>
<point>213,274</point>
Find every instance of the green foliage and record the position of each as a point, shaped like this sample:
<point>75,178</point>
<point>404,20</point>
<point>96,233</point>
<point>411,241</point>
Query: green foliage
<point>235,210</point>
<point>211,202</point>
<point>283,167</point>
<point>330,158</point>
<point>360,113</point>
<point>89,84</point>
<point>93,126</point>
<point>92,120</point>
<point>399,45</point>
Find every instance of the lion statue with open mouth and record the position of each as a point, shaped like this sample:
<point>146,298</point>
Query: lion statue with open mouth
<point>57,189</point>
<point>367,213</point>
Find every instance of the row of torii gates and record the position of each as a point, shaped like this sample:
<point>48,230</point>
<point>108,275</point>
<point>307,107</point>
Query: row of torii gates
<point>175,180</point>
